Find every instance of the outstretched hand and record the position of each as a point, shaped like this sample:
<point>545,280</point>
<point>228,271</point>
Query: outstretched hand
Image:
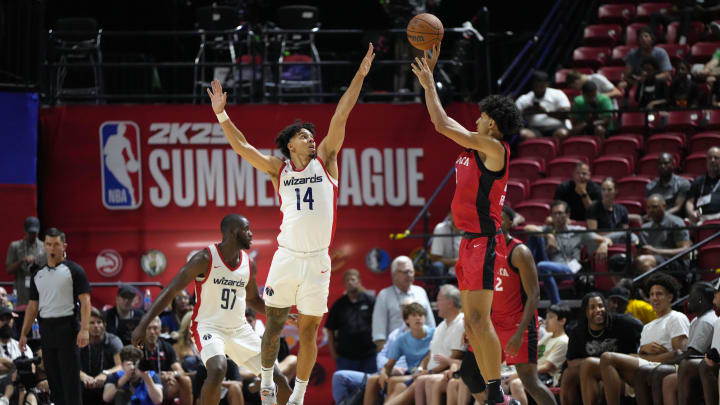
<point>217,97</point>
<point>432,56</point>
<point>367,61</point>
<point>423,72</point>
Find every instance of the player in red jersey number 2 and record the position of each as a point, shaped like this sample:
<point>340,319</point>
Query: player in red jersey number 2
<point>481,175</point>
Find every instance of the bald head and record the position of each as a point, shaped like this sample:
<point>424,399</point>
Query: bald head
<point>232,221</point>
<point>655,207</point>
<point>713,161</point>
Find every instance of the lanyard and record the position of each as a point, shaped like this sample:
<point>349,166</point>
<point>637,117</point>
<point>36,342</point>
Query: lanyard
<point>714,189</point>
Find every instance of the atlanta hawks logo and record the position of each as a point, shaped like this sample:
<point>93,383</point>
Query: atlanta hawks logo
<point>269,291</point>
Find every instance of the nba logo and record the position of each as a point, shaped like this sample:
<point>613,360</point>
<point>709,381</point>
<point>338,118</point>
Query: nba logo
<point>120,165</point>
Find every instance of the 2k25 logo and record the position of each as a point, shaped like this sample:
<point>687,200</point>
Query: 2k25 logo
<point>120,165</point>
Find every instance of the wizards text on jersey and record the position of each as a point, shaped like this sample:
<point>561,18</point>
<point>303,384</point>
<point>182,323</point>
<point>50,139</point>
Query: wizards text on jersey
<point>294,181</point>
<point>225,281</point>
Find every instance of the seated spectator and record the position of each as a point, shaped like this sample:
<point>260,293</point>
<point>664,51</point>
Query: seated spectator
<point>659,341</point>
<point>180,306</point>
<point>637,305</point>
<point>579,192</point>
<point>670,186</point>
<point>349,325</point>
<point>185,347</point>
<point>251,318</point>
<point>683,92</point>
<point>100,358</point>
<point>444,250</point>
<point>4,300</point>
<point>576,80</point>
<point>563,250</point>
<point>703,202</point>
<point>131,386</point>
<point>676,375</point>
<point>10,351</point>
<point>122,319</point>
<point>684,12</point>
<point>657,246</point>
<point>606,214</point>
<point>161,358</point>
<point>387,315</point>
<point>592,112</point>
<point>636,58</point>
<point>597,332</point>
<point>708,369</point>
<point>544,110</point>
<point>552,349</point>
<point>232,392</point>
<point>652,91</point>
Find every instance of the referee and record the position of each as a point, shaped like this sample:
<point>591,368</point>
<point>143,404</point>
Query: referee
<point>55,289</point>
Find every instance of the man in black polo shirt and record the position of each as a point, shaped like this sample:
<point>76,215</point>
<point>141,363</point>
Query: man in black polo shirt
<point>122,319</point>
<point>703,202</point>
<point>160,357</point>
<point>350,324</point>
<point>55,289</point>
<point>579,192</point>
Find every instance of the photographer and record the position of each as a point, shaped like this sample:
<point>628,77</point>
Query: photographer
<point>132,385</point>
<point>9,351</point>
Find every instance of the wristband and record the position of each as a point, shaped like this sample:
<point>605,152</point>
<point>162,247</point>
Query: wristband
<point>222,117</point>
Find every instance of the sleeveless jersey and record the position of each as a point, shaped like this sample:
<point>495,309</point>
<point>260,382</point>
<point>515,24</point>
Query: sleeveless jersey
<point>509,296</point>
<point>308,202</point>
<point>479,193</point>
<point>221,293</point>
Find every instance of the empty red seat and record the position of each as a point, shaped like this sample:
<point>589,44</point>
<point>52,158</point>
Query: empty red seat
<point>631,33</point>
<point>709,259</point>
<point>593,57</point>
<point>694,33</point>
<point>517,190</point>
<point>676,52</point>
<point>526,168</point>
<point>703,141</point>
<point>647,166</point>
<point>535,212</point>
<point>616,13</point>
<point>633,206</point>
<point>602,34</point>
<point>543,148</point>
<point>587,146</point>
<point>711,228</point>
<point>645,10</point>
<point>561,75</point>
<point>696,164</point>
<point>711,119</point>
<point>612,73</point>
<point>564,166</point>
<point>667,142</point>
<point>545,188</point>
<point>701,52</point>
<point>617,58</point>
<point>632,186</point>
<point>571,93</point>
<point>675,121</point>
<point>613,166</point>
<point>632,122</point>
<point>623,143</point>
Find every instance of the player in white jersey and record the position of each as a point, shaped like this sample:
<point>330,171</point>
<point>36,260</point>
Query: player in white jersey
<point>224,281</point>
<point>306,181</point>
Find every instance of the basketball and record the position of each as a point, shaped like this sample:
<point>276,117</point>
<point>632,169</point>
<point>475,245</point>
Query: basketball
<point>424,31</point>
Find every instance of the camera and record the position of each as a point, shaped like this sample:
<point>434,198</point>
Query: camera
<point>144,365</point>
<point>25,374</point>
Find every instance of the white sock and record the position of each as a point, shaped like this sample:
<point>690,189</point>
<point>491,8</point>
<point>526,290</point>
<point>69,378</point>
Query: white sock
<point>266,377</point>
<point>298,392</point>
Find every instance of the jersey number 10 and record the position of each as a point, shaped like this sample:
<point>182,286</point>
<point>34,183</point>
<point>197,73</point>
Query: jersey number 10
<point>308,198</point>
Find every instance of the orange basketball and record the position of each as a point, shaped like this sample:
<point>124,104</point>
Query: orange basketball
<point>424,31</point>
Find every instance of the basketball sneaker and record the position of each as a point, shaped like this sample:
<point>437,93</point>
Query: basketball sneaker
<point>267,395</point>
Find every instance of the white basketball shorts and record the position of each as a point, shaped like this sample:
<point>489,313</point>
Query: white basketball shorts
<point>241,344</point>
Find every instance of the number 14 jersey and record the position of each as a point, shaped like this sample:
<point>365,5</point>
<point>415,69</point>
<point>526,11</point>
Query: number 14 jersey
<point>308,202</point>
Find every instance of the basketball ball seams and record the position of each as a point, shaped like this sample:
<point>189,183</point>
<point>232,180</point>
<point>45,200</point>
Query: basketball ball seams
<point>424,31</point>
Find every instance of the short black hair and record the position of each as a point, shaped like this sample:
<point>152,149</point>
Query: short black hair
<point>589,87</point>
<point>288,132</point>
<point>666,281</point>
<point>562,311</point>
<point>231,221</point>
<point>583,321</point>
<point>705,289</point>
<point>539,76</point>
<point>94,312</point>
<point>649,60</point>
<point>504,112</point>
<point>509,212</point>
<point>555,203</point>
<point>645,30</point>
<point>54,233</point>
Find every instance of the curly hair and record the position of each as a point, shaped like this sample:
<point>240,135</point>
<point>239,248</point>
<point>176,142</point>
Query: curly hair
<point>585,304</point>
<point>666,281</point>
<point>288,132</point>
<point>504,112</point>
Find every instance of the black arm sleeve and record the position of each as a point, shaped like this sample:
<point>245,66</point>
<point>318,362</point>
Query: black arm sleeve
<point>81,285</point>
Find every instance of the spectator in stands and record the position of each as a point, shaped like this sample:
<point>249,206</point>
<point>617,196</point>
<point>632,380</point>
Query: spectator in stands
<point>563,250</point>
<point>683,92</point>
<point>444,250</point>
<point>131,385</point>
<point>576,80</point>
<point>635,59</point>
<point>544,110</point>
<point>349,324</point>
<point>708,369</point>
<point>180,306</point>
<point>652,91</point>
<point>659,341</point>
<point>10,351</point>
<point>100,358</point>
<point>703,202</point>
<point>597,332</point>
<point>251,318</point>
<point>657,246</point>
<point>684,12</point>
<point>387,315</point>
<point>4,300</point>
<point>23,254</point>
<point>636,305</point>
<point>606,214</point>
<point>552,349</point>
<point>161,358</point>
<point>122,319</point>
<point>579,192</point>
<point>185,349</point>
<point>592,112</point>
<point>653,382</point>
<point>232,392</point>
<point>672,187</point>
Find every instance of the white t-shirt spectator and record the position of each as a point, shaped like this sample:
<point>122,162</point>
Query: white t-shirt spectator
<point>447,337</point>
<point>12,347</point>
<point>553,100</point>
<point>603,84</point>
<point>716,336</point>
<point>445,246</point>
<point>701,331</point>
<point>553,350</point>
<point>662,330</point>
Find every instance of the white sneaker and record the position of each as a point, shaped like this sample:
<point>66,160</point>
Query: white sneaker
<point>267,395</point>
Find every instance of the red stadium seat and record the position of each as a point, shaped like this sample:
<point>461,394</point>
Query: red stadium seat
<point>703,234</point>
<point>694,33</point>
<point>696,164</point>
<point>592,57</point>
<point>703,141</point>
<point>564,166</point>
<point>667,142</point>
<point>648,164</point>
<point>544,148</point>
<point>645,10</point>
<point>711,119</point>
<point>612,73</point>
<point>632,122</point>
<point>633,206</point>
<point>708,259</point>
<point>602,34</point>
<point>535,212</point>
<point>617,58</point>
<point>701,52</point>
<point>632,186</point>
<point>517,191</point>
<point>613,166</point>
<point>616,13</point>
<point>587,146</point>
<point>631,33</point>
<point>675,121</point>
<point>571,94</point>
<point>526,168</point>
<point>676,52</point>
<point>561,75</point>
<point>623,143</point>
<point>545,188</point>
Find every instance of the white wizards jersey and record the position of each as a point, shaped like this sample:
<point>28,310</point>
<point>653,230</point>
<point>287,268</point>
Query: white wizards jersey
<point>221,293</point>
<point>308,201</point>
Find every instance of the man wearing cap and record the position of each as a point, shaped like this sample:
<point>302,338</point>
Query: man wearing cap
<point>9,351</point>
<point>122,319</point>
<point>22,254</point>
